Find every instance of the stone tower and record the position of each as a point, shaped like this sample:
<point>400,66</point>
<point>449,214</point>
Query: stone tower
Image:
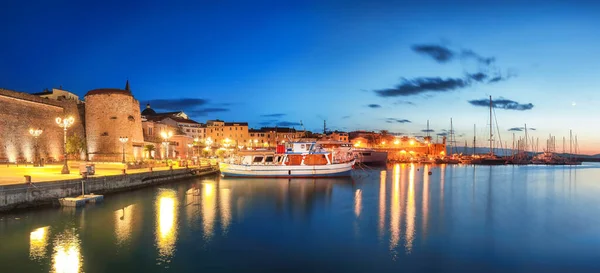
<point>111,113</point>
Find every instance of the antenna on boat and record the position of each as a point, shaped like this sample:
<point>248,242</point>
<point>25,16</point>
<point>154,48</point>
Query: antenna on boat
<point>302,124</point>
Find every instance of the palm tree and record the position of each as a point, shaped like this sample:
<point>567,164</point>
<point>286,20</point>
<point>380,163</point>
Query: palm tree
<point>149,148</point>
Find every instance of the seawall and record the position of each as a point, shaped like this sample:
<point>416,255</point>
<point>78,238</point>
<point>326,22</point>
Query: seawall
<point>47,193</point>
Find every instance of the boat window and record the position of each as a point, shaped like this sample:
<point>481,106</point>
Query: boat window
<point>257,159</point>
<point>269,159</point>
<point>366,154</point>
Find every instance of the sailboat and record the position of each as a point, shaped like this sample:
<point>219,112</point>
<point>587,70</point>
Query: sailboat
<point>452,159</point>
<point>491,158</point>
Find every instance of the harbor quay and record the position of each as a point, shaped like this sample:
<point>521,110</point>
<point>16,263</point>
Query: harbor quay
<point>28,186</point>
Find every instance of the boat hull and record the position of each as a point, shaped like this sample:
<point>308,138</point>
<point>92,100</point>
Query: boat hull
<point>286,171</point>
<point>370,157</point>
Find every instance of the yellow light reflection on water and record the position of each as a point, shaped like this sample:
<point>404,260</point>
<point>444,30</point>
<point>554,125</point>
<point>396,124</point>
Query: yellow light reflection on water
<point>382,202</point>
<point>38,241</point>
<point>357,202</point>
<point>395,210</point>
<point>208,209</point>
<point>225,204</point>
<point>410,210</point>
<point>425,206</point>
<point>67,253</point>
<point>123,223</point>
<point>166,223</point>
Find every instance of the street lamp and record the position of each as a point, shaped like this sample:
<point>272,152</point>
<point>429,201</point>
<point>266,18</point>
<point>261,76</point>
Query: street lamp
<point>36,157</point>
<point>65,123</point>
<point>123,141</point>
<point>166,136</point>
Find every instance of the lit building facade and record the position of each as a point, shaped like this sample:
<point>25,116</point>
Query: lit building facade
<point>232,134</point>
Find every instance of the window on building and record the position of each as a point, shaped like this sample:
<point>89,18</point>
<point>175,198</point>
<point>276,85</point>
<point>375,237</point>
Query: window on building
<point>150,131</point>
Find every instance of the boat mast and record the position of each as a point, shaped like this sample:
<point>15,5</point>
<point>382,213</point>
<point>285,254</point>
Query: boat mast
<point>474,137</point>
<point>570,143</point>
<point>512,151</point>
<point>525,148</point>
<point>452,143</point>
<point>428,139</point>
<point>491,135</point>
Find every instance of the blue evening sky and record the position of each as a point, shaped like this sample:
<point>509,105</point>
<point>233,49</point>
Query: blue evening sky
<point>279,62</point>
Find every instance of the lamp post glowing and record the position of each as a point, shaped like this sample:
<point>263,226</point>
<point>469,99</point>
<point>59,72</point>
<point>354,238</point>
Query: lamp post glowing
<point>196,140</point>
<point>188,151</point>
<point>36,157</point>
<point>123,141</point>
<point>208,143</point>
<point>65,123</point>
<point>166,136</point>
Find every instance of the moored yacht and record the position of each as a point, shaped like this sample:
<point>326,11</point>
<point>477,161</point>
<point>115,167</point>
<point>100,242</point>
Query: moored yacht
<point>298,159</point>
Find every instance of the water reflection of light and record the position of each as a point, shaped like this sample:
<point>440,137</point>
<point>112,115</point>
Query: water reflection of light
<point>410,210</point>
<point>208,209</point>
<point>123,222</point>
<point>67,253</point>
<point>442,182</point>
<point>224,203</point>
<point>425,206</point>
<point>166,222</point>
<point>395,210</point>
<point>357,202</point>
<point>38,241</point>
<point>382,202</point>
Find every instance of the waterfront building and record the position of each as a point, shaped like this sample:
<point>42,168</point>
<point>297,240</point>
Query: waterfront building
<point>179,119</point>
<point>267,137</point>
<point>227,134</point>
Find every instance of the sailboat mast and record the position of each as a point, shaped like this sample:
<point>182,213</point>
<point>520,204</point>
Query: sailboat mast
<point>491,135</point>
<point>474,138</point>
<point>451,138</point>
<point>525,148</point>
<point>570,143</point>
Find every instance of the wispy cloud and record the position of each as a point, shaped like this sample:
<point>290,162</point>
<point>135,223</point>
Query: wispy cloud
<point>346,117</point>
<point>277,115</point>
<point>396,120</point>
<point>488,74</point>
<point>374,106</point>
<point>288,123</point>
<point>421,85</point>
<point>502,103</point>
<point>177,104</point>
<point>404,102</point>
<point>442,54</point>
<point>439,53</point>
<point>427,130</point>
<point>206,111</point>
<point>520,129</point>
<point>467,53</point>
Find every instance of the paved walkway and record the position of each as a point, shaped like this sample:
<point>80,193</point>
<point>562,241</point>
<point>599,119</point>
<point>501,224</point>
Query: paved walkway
<point>16,175</point>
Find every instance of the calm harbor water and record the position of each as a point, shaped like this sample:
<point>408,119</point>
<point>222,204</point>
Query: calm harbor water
<point>394,219</point>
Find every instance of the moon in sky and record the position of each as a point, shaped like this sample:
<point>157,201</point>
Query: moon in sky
<point>573,103</point>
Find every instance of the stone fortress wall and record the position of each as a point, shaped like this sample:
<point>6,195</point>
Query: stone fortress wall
<point>110,114</point>
<point>21,111</point>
